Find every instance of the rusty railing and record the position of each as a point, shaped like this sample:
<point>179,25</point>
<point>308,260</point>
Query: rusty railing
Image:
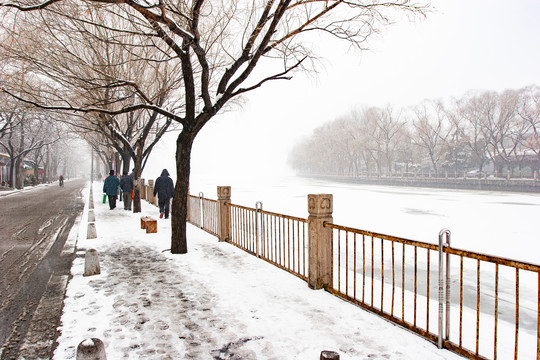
<point>477,300</point>
<point>203,213</point>
<point>279,239</point>
<point>477,305</point>
<point>494,299</point>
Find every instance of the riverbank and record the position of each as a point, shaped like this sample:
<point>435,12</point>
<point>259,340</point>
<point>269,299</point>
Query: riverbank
<point>490,184</point>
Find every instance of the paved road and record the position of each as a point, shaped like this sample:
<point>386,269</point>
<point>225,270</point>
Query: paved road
<point>34,226</point>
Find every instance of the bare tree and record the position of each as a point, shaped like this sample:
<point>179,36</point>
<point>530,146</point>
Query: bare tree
<point>30,135</point>
<point>390,134</point>
<point>529,111</point>
<point>365,141</point>
<point>502,128</point>
<point>218,46</point>
<point>92,67</point>
<point>469,117</point>
<point>51,131</point>
<point>431,131</point>
<point>458,150</point>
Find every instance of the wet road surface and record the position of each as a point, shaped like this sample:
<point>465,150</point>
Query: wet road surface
<point>34,226</point>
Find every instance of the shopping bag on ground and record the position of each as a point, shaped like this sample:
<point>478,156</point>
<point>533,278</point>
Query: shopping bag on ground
<point>104,198</point>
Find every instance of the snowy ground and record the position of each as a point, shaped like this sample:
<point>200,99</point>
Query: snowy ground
<point>216,302</point>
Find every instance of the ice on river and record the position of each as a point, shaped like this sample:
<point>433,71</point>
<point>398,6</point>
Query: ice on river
<point>490,222</point>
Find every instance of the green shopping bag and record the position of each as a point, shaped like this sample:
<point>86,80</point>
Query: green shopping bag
<point>104,198</point>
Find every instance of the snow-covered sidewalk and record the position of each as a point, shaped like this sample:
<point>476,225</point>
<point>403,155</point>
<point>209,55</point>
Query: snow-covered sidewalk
<point>216,302</point>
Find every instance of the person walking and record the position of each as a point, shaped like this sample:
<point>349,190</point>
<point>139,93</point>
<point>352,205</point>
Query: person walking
<point>126,184</point>
<point>164,188</point>
<point>110,187</point>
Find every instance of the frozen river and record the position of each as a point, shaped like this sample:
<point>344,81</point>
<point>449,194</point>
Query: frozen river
<point>491,222</point>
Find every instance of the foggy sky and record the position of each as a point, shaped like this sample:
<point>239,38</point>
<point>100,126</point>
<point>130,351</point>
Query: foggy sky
<point>462,45</point>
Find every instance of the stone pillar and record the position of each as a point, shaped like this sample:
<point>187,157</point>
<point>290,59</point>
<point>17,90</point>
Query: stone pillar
<point>320,208</point>
<point>224,197</point>
<point>150,192</point>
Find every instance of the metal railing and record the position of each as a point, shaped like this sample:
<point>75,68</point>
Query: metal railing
<point>279,239</point>
<point>204,213</point>
<point>477,305</point>
<point>494,298</point>
<point>418,286</point>
<point>195,210</point>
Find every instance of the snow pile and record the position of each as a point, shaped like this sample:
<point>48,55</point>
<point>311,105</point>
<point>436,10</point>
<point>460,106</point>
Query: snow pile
<point>216,302</point>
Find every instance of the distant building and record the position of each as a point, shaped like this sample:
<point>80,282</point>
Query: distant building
<point>29,166</point>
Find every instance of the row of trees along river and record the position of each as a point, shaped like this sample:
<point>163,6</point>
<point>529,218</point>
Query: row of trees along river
<point>484,132</point>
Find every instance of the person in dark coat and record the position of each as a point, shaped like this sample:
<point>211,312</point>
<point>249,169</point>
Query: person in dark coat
<point>110,187</point>
<point>164,188</point>
<point>126,184</point>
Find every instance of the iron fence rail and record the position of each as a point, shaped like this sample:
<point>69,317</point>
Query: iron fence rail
<point>496,298</point>
<point>397,279</point>
<point>279,239</point>
<point>466,302</point>
<point>195,210</point>
<point>381,273</point>
<point>204,213</point>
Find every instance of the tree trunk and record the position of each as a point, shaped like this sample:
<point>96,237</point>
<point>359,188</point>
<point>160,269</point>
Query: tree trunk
<point>19,179</point>
<point>126,161</point>
<point>47,170</point>
<point>181,191</point>
<point>137,178</point>
<point>11,180</point>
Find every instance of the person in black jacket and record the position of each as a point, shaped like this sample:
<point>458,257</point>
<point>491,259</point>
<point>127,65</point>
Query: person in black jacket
<point>164,188</point>
<point>126,184</point>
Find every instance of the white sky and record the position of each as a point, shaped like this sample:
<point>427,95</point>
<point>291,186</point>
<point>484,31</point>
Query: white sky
<point>462,45</point>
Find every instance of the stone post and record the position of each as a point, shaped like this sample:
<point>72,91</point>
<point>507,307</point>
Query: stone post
<point>320,240</point>
<point>91,349</point>
<point>329,355</point>
<point>91,263</point>
<point>142,189</point>
<point>150,192</point>
<point>224,197</point>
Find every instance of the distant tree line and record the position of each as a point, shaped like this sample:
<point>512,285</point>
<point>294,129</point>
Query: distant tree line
<point>37,137</point>
<point>481,132</point>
